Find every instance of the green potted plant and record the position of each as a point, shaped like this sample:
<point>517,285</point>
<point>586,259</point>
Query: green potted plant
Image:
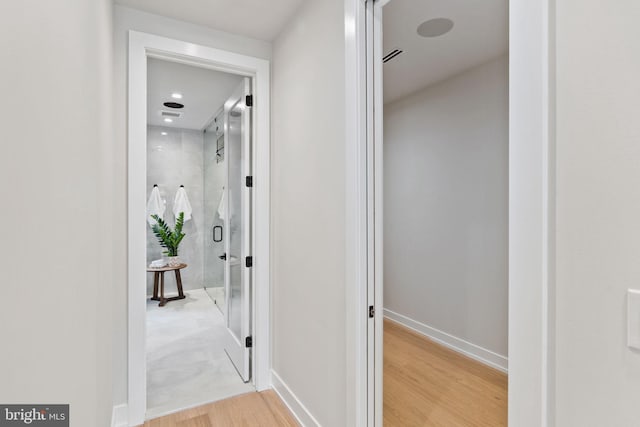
<point>168,238</point>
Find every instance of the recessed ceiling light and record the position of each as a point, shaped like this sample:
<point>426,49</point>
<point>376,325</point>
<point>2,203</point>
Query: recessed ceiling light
<point>168,120</point>
<point>163,133</point>
<point>435,27</point>
<point>176,95</point>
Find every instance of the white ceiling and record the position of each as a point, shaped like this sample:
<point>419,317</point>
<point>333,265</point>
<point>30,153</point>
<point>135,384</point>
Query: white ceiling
<point>480,33</point>
<point>260,19</point>
<point>204,92</point>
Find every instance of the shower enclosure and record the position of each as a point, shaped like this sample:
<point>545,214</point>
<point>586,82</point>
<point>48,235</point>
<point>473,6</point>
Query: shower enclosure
<point>214,172</point>
<point>228,208</point>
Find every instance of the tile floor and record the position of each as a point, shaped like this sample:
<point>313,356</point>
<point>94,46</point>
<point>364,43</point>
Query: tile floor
<point>186,362</point>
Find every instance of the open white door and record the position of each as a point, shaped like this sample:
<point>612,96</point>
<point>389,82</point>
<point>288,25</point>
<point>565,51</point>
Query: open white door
<point>238,229</point>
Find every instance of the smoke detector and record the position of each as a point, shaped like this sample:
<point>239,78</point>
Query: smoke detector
<point>435,27</point>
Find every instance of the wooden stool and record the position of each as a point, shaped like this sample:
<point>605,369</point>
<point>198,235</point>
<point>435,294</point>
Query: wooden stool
<point>158,276</point>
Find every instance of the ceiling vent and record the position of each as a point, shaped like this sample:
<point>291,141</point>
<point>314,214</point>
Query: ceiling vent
<point>393,54</point>
<point>172,114</point>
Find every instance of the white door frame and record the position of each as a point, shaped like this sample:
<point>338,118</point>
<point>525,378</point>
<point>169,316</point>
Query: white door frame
<point>531,212</point>
<point>142,46</point>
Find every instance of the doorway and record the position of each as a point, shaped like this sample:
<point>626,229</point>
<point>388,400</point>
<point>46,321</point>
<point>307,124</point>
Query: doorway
<point>198,307</point>
<point>531,183</point>
<point>234,225</point>
<point>444,211</point>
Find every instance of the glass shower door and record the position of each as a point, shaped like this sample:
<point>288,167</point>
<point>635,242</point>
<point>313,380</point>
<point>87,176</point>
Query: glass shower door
<point>238,230</point>
<point>215,180</point>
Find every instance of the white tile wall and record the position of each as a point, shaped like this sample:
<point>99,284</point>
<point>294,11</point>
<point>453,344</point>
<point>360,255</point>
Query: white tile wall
<point>172,160</point>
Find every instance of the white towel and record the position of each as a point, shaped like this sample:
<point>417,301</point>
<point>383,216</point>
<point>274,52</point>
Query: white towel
<point>155,206</point>
<point>158,263</point>
<point>222,206</point>
<point>181,204</point>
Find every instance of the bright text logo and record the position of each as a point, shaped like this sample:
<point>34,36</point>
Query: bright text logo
<point>34,415</point>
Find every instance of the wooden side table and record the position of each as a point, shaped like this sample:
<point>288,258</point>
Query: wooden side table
<point>158,276</point>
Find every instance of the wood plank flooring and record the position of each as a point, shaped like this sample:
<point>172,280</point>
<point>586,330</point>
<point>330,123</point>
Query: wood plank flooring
<point>426,384</point>
<point>264,409</point>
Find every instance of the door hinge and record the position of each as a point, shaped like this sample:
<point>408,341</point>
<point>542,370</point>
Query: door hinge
<point>248,342</point>
<point>249,101</point>
<point>372,312</point>
<point>248,261</point>
<point>249,181</point>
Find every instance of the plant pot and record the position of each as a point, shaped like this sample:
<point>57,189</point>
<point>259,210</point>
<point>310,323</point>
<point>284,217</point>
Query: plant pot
<point>173,261</point>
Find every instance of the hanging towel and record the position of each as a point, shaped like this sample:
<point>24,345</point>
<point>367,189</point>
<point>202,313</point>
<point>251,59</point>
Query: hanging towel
<point>222,206</point>
<point>155,206</point>
<point>181,204</point>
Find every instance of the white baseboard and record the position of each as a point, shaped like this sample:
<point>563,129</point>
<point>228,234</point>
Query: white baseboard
<point>296,407</point>
<point>120,416</point>
<point>476,352</point>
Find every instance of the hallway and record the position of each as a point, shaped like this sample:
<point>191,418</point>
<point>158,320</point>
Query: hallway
<point>75,111</point>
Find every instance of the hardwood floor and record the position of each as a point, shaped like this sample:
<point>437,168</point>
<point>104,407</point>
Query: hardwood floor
<point>426,384</point>
<point>264,409</point>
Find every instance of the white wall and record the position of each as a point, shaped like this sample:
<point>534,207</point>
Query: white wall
<point>126,19</point>
<point>56,239</point>
<point>598,210</point>
<point>446,206</point>
<point>308,243</point>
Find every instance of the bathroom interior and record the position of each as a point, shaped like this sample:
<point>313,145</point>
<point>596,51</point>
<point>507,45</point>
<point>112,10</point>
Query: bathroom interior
<point>445,151</point>
<point>194,125</point>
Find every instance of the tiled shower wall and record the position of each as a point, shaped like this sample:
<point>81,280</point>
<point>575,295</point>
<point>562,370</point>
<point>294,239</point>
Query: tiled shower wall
<point>188,157</point>
<point>176,159</point>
